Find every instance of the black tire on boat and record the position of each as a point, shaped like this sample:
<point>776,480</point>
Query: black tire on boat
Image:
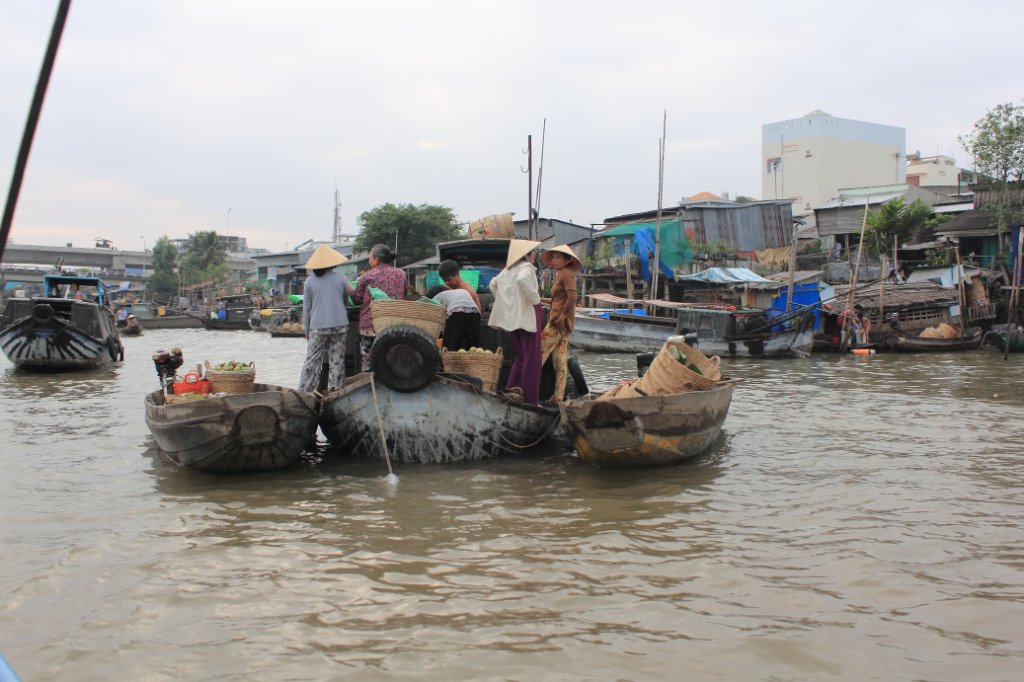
<point>112,347</point>
<point>42,312</point>
<point>405,358</point>
<point>575,383</point>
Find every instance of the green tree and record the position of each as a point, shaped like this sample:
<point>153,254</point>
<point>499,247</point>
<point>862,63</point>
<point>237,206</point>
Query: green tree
<point>204,258</point>
<point>163,282</point>
<point>997,143</point>
<point>415,229</point>
<point>893,223</point>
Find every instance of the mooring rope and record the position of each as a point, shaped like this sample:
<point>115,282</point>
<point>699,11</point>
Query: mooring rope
<point>380,425</point>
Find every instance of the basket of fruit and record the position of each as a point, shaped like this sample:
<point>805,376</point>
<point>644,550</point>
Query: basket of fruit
<point>231,377</point>
<point>476,362</point>
<point>388,312</point>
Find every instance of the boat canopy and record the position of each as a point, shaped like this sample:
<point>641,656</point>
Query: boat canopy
<point>55,284</point>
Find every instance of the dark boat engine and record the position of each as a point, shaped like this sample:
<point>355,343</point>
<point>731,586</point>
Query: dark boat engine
<point>167,363</point>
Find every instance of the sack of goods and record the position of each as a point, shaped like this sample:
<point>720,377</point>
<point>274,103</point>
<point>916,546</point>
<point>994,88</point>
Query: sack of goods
<point>678,368</point>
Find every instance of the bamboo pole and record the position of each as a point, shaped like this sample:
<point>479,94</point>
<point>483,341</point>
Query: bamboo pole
<point>961,295</point>
<point>854,274</point>
<point>1014,292</point>
<point>657,226</point>
<point>792,269</point>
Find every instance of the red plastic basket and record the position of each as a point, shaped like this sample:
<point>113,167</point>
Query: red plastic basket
<point>191,383</point>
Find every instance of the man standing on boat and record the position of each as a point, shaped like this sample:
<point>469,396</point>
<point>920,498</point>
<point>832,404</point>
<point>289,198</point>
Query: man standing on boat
<point>555,337</point>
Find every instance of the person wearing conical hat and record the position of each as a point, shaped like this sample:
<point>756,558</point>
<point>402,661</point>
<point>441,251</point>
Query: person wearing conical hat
<point>517,310</point>
<point>324,319</point>
<point>561,319</point>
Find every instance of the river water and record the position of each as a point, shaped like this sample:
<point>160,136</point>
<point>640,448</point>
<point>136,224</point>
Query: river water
<point>860,518</point>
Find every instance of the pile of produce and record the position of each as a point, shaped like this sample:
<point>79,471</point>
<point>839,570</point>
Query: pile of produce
<point>233,366</point>
<point>292,326</point>
<point>474,349</point>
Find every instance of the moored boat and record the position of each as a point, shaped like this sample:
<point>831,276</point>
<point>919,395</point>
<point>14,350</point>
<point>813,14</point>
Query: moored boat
<point>450,419</point>
<point>917,344</point>
<point>263,430</point>
<point>646,431</point>
<point>58,332</point>
<point>997,338</point>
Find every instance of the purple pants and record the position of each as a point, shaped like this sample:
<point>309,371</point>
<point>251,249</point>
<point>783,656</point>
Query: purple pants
<point>525,370</point>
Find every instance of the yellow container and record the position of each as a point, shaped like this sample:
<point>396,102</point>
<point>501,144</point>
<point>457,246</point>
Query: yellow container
<point>161,311</point>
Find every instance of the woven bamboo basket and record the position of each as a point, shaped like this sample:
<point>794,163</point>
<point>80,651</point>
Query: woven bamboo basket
<point>231,382</point>
<point>426,316</point>
<point>668,375</point>
<point>486,366</point>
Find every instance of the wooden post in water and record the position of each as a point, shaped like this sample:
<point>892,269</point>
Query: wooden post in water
<point>1014,292</point>
<point>855,273</point>
<point>961,295</point>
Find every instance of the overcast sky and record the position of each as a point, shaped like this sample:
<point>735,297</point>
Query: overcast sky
<point>164,117</point>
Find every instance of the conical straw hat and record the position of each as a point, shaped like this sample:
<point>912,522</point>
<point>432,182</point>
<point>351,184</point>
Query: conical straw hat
<point>324,257</point>
<point>574,264</point>
<point>517,248</point>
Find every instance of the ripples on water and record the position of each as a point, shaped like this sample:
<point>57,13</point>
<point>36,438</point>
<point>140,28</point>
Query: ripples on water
<point>860,518</point>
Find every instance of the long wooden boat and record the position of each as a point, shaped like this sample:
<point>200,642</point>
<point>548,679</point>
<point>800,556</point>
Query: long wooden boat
<point>260,431</point>
<point>605,331</point>
<point>915,344</point>
<point>449,420</point>
<point>646,431</point>
<point>57,333</point>
<point>996,337</point>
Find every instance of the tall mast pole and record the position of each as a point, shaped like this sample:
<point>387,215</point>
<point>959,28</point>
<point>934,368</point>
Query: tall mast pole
<point>657,225</point>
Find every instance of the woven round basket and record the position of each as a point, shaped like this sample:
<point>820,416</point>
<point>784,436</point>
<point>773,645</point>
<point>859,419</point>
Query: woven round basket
<point>668,375</point>
<point>486,366</point>
<point>426,316</point>
<point>231,382</point>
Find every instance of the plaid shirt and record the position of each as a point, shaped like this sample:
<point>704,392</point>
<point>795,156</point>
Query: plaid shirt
<point>388,279</point>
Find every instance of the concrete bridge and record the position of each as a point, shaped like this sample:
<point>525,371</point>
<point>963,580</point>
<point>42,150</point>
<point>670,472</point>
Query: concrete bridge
<point>27,263</point>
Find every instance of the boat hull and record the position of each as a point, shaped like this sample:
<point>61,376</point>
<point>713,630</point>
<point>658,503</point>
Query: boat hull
<point>646,431</point>
<point>786,343</point>
<point>601,335</point>
<point>50,342</point>
<point>997,339</point>
<point>264,430</point>
<point>447,421</point>
<point>174,322</point>
<point>910,344</point>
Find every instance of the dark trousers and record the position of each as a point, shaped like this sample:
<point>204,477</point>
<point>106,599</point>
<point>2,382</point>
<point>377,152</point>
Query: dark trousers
<point>462,330</point>
<point>525,370</point>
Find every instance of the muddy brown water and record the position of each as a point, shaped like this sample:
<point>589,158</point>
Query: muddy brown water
<point>860,518</point>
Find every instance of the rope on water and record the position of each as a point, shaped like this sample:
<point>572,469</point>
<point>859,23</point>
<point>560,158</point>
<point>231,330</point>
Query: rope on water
<point>380,425</point>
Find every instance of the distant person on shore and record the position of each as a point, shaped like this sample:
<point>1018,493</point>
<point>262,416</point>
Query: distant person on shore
<point>517,310</point>
<point>382,275</point>
<point>837,251</point>
<point>561,319</point>
<point>856,326</point>
<point>324,319</point>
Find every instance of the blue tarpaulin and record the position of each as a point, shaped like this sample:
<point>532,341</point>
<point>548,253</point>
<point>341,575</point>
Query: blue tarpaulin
<point>643,246</point>
<point>727,276</point>
<point>803,295</point>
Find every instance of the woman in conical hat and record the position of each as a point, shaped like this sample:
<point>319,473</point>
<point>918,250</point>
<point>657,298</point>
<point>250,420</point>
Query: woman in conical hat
<point>517,310</point>
<point>555,337</point>
<point>324,319</point>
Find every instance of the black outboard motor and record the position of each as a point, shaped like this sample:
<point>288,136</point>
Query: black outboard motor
<point>167,363</point>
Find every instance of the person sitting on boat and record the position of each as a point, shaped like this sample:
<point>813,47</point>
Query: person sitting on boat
<point>122,316</point>
<point>131,322</point>
<point>382,275</point>
<point>75,292</point>
<point>324,319</point>
<point>517,310</point>
<point>555,337</point>
<point>462,317</point>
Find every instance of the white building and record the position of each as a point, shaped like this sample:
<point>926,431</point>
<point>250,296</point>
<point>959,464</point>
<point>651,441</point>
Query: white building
<point>809,159</point>
<point>937,171</point>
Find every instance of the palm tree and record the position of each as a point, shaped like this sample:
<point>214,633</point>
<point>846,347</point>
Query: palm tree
<point>893,223</point>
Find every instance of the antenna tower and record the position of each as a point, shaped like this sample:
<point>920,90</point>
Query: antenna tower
<point>337,217</point>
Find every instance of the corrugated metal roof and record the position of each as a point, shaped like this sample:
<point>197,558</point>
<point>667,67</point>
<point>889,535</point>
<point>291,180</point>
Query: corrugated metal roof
<point>973,223</point>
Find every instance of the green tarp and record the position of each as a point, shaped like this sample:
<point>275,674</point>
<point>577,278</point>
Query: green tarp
<point>674,248</point>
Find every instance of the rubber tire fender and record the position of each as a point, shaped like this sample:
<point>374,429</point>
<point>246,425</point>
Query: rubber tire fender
<point>578,380</point>
<point>112,347</point>
<point>405,358</point>
<point>42,312</point>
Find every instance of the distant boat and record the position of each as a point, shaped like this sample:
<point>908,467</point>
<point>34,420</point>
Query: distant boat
<point>57,332</point>
<point>971,340</point>
<point>996,337</point>
<point>233,312</point>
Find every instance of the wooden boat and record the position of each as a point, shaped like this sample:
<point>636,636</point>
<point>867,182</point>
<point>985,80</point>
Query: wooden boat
<point>648,430</point>
<point>996,337</point>
<point>233,312</point>
<point>281,332</point>
<point>131,327</point>
<point>55,333</point>
<point>915,344</point>
<point>725,331</point>
<point>449,420</point>
<point>259,431</point>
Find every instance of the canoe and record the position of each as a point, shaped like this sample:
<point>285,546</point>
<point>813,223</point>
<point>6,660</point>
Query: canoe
<point>916,344</point>
<point>646,431</point>
<point>279,332</point>
<point>449,420</point>
<point>259,431</point>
